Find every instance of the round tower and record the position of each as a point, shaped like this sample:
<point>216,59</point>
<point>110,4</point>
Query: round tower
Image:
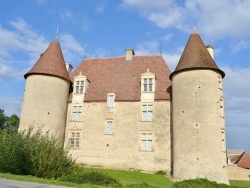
<point>199,148</point>
<point>46,94</point>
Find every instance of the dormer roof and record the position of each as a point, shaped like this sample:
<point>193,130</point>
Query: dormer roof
<point>196,56</point>
<point>51,62</point>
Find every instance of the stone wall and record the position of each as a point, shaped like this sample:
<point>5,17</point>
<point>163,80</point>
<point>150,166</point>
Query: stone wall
<point>236,173</point>
<point>122,148</point>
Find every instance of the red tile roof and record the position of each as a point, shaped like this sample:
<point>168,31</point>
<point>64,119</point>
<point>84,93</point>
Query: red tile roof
<point>116,75</point>
<point>51,62</point>
<point>244,161</point>
<point>196,56</point>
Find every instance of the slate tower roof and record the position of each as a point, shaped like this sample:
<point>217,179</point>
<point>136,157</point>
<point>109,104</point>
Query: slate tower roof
<point>51,62</point>
<point>196,56</point>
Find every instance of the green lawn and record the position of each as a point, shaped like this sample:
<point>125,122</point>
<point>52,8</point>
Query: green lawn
<point>240,183</point>
<point>124,177</point>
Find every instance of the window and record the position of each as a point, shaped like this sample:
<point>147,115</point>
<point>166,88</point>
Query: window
<point>74,139</point>
<point>147,112</point>
<point>148,84</point>
<point>77,113</point>
<point>111,100</point>
<point>146,141</point>
<point>79,86</point>
<point>109,127</point>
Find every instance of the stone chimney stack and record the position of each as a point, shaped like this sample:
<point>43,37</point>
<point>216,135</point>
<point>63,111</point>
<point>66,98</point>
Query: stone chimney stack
<point>210,49</point>
<point>129,54</point>
<point>69,67</point>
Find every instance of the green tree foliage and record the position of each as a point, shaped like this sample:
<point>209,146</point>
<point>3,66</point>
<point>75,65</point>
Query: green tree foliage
<point>10,123</point>
<point>13,122</point>
<point>3,119</point>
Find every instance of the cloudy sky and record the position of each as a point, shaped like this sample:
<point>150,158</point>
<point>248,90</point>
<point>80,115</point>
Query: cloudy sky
<point>104,28</point>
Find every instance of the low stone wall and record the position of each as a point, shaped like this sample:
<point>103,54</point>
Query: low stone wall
<point>236,173</point>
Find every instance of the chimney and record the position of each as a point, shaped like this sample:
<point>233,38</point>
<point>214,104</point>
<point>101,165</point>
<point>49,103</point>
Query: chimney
<point>69,67</point>
<point>210,49</point>
<point>129,54</point>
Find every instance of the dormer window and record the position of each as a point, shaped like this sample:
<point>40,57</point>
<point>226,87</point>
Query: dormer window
<point>79,86</point>
<point>148,84</point>
<point>111,100</point>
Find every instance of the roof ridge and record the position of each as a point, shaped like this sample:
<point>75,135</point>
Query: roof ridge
<point>111,57</point>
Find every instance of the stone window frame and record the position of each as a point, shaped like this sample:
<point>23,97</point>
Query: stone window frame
<point>148,82</point>
<point>146,141</point>
<point>79,87</point>
<point>111,100</point>
<point>107,123</point>
<point>74,139</point>
<point>148,111</point>
<point>77,112</point>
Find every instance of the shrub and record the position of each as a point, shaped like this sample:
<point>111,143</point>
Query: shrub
<point>199,182</point>
<point>94,178</point>
<point>47,158</point>
<point>32,154</point>
<point>13,158</point>
<point>142,185</point>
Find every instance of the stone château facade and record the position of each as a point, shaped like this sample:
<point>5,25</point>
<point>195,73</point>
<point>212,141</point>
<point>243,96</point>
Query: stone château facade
<point>131,112</point>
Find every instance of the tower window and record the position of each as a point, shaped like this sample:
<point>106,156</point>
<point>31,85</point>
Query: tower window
<point>146,141</point>
<point>148,84</point>
<point>147,112</point>
<point>77,113</point>
<point>74,141</point>
<point>79,86</point>
<point>111,100</point>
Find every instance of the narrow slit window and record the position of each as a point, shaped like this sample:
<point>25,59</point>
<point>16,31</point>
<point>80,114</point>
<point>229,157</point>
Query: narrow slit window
<point>111,100</point>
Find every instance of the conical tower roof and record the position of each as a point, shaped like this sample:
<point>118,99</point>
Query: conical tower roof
<point>196,56</point>
<point>51,62</point>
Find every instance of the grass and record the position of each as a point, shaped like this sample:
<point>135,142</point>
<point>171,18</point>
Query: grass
<point>135,177</point>
<point>240,183</point>
<point>124,177</point>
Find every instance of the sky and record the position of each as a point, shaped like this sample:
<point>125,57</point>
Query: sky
<point>105,28</point>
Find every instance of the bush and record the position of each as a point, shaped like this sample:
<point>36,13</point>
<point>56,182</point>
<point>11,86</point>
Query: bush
<point>142,185</point>
<point>47,158</point>
<point>13,158</point>
<point>199,182</point>
<point>32,154</point>
<point>94,178</point>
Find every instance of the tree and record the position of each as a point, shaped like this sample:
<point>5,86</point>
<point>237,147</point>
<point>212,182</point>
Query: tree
<point>6,122</point>
<point>13,122</point>
<point>3,119</point>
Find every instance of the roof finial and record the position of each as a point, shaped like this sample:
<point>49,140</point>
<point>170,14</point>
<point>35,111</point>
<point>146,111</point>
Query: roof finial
<point>194,29</point>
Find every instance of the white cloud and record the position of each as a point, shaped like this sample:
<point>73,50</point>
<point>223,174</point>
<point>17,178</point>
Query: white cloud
<point>153,47</point>
<point>19,40</point>
<point>237,105</point>
<point>216,19</point>
<point>73,51</point>
<point>101,8</point>
<point>242,45</point>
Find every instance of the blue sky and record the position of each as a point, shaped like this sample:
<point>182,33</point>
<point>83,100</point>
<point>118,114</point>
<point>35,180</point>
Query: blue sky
<point>95,28</point>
